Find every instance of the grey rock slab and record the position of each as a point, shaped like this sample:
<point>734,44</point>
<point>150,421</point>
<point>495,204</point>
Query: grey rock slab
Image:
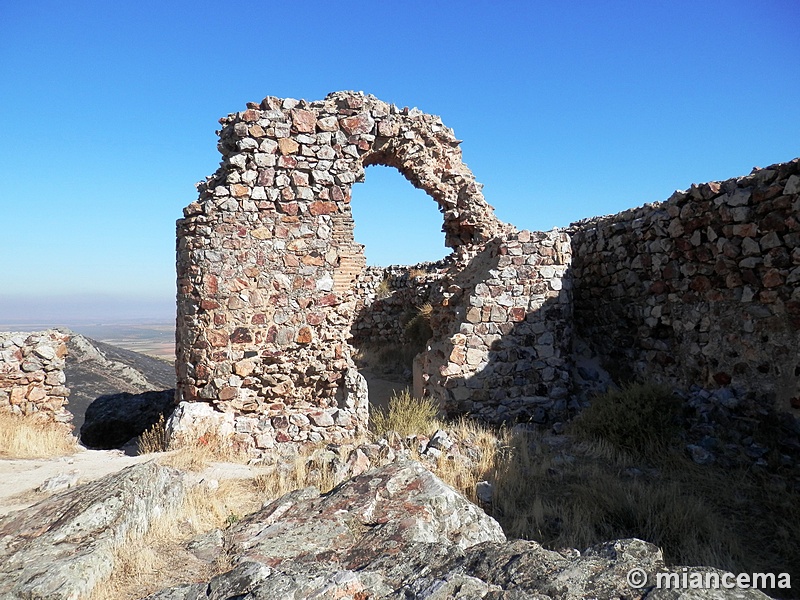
<point>62,547</point>
<point>382,511</point>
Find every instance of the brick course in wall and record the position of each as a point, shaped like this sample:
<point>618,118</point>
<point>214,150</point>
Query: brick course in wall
<point>701,289</point>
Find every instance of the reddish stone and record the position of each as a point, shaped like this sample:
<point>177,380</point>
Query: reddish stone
<point>517,314</point>
<point>772,278</point>
<point>220,318</point>
<point>208,304</point>
<point>304,335</point>
<point>272,335</point>
<point>239,191</point>
<point>288,146</point>
<point>304,121</point>
<point>315,318</point>
<point>211,284</point>
<point>282,436</point>
<point>251,115</point>
<point>313,259</point>
<point>700,283</point>
<point>252,272</point>
<point>219,356</point>
<point>290,260</point>
<point>227,393</point>
<point>355,125</point>
<point>259,319</point>
<point>328,300</point>
<point>658,287</point>
<point>266,177</point>
<point>321,208</point>
<point>202,372</point>
<point>217,338</point>
<point>722,378</point>
<point>337,194</point>
<point>241,335</point>
<point>287,162</point>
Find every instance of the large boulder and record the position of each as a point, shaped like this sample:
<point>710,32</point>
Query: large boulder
<point>113,420</point>
<point>62,547</point>
<point>399,532</point>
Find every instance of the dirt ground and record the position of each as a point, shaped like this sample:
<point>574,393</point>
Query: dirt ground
<point>20,478</point>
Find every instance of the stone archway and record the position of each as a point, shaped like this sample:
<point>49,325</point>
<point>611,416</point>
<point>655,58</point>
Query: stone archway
<point>267,259</point>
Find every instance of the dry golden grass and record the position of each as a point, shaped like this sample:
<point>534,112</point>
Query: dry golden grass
<point>728,519</point>
<point>486,443</point>
<point>158,559</point>
<point>28,437</point>
<point>191,454</point>
<point>405,415</point>
<point>153,439</point>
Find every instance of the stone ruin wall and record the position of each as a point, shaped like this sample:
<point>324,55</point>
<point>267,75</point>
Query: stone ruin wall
<point>267,264</point>
<point>273,289</point>
<point>387,297</point>
<point>502,331</point>
<point>32,376</point>
<point>701,289</point>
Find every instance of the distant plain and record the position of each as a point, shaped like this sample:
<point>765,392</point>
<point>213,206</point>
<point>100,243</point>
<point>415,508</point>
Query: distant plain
<point>152,337</point>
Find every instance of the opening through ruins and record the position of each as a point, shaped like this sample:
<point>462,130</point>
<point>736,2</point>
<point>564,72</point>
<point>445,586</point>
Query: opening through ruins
<point>397,223</point>
<point>400,227</point>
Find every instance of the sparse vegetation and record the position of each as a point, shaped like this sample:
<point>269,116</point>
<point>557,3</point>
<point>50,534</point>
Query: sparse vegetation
<point>405,415</point>
<point>192,453</point>
<point>418,329</point>
<point>153,439</point>
<point>640,418</point>
<point>592,492</point>
<point>28,437</point>
<point>383,290</point>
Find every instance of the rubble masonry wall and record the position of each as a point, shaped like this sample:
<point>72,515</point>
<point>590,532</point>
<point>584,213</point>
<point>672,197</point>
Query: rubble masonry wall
<point>701,289</point>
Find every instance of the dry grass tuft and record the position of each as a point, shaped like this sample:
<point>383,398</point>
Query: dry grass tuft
<point>154,439</point>
<point>405,415</point>
<point>29,437</point>
<point>196,453</point>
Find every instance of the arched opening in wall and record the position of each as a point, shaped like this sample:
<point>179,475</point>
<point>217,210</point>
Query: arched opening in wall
<point>397,223</point>
<point>400,227</point>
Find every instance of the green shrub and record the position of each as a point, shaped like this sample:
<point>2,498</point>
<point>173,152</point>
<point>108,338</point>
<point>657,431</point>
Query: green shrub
<point>639,418</point>
<point>406,415</point>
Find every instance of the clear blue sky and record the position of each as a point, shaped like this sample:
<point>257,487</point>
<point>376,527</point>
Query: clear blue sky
<point>567,110</point>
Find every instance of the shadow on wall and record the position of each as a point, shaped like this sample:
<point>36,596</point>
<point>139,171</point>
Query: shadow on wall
<point>502,337</point>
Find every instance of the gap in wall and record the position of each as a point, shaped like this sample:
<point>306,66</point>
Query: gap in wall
<point>397,223</point>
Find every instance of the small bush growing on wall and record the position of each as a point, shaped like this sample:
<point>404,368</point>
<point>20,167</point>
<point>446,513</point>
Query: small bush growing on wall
<point>639,417</point>
<point>384,290</point>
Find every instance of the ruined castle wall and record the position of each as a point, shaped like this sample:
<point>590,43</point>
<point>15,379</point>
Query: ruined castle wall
<point>388,297</point>
<point>699,289</point>
<point>267,263</point>
<point>503,331</point>
<point>32,375</point>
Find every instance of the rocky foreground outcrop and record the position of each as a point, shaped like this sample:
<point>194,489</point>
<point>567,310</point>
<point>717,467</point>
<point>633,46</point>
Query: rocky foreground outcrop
<point>62,547</point>
<point>393,532</point>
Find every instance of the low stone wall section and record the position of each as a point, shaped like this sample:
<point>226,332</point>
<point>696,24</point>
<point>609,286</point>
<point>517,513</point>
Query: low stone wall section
<point>387,297</point>
<point>701,289</point>
<point>32,375</point>
<point>502,331</point>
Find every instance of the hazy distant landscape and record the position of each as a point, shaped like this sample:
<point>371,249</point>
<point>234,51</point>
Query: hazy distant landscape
<point>152,337</point>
